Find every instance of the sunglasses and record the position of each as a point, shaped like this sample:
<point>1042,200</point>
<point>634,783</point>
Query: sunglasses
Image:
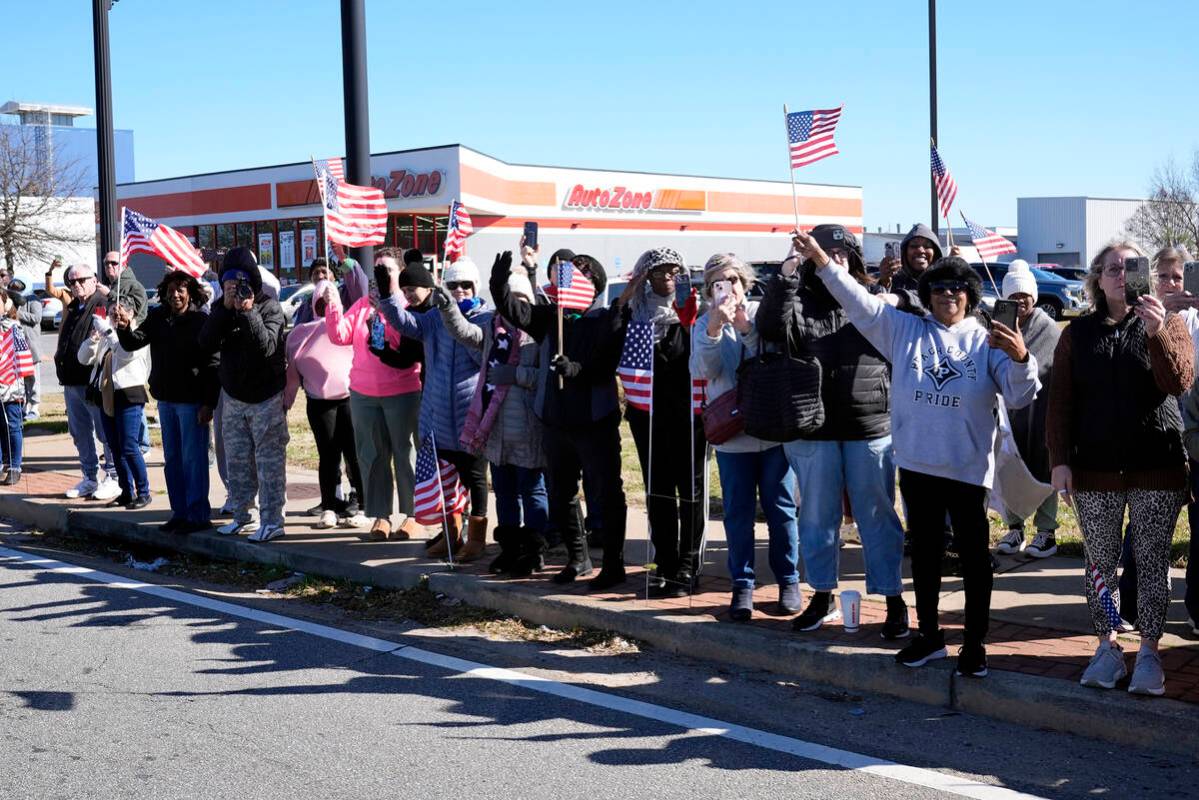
<point>111,263</point>
<point>452,285</point>
<point>79,281</point>
<point>947,287</point>
<point>672,272</point>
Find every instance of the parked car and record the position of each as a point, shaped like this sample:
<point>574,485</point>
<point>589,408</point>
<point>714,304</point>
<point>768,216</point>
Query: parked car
<point>1069,273</point>
<point>51,310</point>
<point>1056,296</point>
<point>697,281</point>
<point>292,297</point>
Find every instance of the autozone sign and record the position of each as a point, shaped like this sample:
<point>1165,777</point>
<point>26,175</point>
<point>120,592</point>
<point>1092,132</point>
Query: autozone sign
<point>615,198</point>
<point>402,183</point>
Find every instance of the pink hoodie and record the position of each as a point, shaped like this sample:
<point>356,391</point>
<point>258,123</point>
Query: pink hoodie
<point>314,361</point>
<point>368,375</point>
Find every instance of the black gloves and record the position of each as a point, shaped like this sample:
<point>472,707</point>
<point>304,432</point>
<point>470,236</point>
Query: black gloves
<point>440,298</point>
<point>502,266</point>
<point>390,356</point>
<point>501,375</point>
<point>561,365</point>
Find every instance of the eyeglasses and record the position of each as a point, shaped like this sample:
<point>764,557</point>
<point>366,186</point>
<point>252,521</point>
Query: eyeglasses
<point>78,281</point>
<point>452,285</point>
<point>111,263</point>
<point>947,287</point>
<point>1114,270</point>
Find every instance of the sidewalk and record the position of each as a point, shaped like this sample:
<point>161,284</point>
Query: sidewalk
<point>1040,639</point>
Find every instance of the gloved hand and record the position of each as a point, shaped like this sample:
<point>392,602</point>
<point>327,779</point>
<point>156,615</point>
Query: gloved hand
<point>101,325</point>
<point>440,298</point>
<point>501,375</point>
<point>389,356</point>
<point>501,268</point>
<point>689,310</point>
<point>561,365</point>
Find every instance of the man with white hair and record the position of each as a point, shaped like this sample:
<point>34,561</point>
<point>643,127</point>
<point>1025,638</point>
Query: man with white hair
<point>83,418</point>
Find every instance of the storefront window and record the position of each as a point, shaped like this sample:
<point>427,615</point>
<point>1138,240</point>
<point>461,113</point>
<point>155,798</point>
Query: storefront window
<point>224,237</point>
<point>264,244</point>
<point>403,231</point>
<point>288,242</point>
<point>441,224</point>
<point>245,235</point>
<point>310,247</point>
<point>426,240</point>
<point>206,236</point>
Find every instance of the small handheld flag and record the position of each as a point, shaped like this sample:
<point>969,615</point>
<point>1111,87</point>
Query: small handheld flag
<point>811,135</point>
<point>571,288</point>
<point>460,227</point>
<point>636,368</point>
<point>947,188</point>
<point>140,234</point>
<point>988,243</point>
<point>438,489</point>
<point>1105,598</point>
<point>355,216</point>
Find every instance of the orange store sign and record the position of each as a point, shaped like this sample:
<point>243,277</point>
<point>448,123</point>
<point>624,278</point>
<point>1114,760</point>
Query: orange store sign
<point>621,198</point>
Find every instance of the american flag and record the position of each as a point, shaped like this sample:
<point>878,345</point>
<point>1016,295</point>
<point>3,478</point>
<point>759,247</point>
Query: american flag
<point>988,243</point>
<point>811,135</point>
<point>16,359</point>
<point>355,216</point>
<point>438,490</point>
<point>947,188</point>
<point>1105,598</point>
<point>571,288</point>
<point>699,391</point>
<point>460,228</point>
<point>636,368</point>
<point>140,234</point>
<point>334,168</point>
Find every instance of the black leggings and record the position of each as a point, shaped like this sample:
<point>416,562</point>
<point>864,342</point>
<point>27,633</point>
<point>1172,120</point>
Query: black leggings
<point>334,434</point>
<point>929,498</point>
<point>472,471</point>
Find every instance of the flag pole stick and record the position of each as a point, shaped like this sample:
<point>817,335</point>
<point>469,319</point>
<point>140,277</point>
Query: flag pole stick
<point>120,256</point>
<point>558,284</point>
<point>320,189</point>
<point>445,520</point>
<point>649,480</point>
<point>791,169</point>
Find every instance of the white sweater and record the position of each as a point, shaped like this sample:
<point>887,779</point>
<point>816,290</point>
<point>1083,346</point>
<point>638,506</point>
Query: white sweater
<point>128,369</point>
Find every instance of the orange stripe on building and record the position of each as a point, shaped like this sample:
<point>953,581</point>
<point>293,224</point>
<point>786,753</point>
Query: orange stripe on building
<point>736,202</point>
<point>593,224</point>
<point>681,199</point>
<point>501,190</point>
<point>296,193</point>
<point>204,201</point>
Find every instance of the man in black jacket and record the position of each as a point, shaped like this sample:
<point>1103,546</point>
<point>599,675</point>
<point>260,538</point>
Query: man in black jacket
<point>84,419</point>
<point>183,379</point>
<point>577,401</point>
<point>247,329</point>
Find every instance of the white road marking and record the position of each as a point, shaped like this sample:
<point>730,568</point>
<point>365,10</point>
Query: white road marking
<point>951,784</point>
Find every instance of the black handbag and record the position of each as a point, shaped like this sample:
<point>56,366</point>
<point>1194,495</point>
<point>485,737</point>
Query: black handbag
<point>779,395</point>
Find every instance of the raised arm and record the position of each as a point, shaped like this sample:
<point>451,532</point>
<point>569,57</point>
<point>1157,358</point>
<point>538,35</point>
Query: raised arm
<point>460,328</point>
<point>533,320</point>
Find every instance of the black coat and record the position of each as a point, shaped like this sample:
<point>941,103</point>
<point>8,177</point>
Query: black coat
<point>856,379</point>
<point>76,326</point>
<point>253,358</point>
<point>180,370</point>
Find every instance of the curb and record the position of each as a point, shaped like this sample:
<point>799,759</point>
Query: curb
<point>1027,700</point>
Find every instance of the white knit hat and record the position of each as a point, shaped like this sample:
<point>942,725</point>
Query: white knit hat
<point>518,283</point>
<point>462,270</point>
<point>1019,280</point>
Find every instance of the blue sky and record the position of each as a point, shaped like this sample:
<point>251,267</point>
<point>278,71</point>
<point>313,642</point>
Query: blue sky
<point>1057,97</point>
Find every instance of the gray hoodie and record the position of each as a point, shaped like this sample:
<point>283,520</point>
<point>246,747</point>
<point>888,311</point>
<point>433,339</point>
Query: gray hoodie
<point>944,381</point>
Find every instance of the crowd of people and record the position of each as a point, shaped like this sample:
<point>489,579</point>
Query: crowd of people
<point>916,382</point>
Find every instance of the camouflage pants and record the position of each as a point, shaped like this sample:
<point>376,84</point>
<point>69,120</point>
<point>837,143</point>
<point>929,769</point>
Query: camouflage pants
<point>256,439</point>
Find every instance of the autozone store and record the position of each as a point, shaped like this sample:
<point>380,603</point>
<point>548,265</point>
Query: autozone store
<point>611,215</point>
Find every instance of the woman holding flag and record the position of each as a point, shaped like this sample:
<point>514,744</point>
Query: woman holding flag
<point>16,363</point>
<point>1115,443</point>
<point>654,369</point>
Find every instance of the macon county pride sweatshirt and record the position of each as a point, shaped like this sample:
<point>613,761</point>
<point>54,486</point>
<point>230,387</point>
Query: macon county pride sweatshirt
<point>944,381</point>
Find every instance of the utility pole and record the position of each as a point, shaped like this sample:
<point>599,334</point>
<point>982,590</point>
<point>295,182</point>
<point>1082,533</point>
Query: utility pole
<point>105,151</point>
<point>932,107</point>
<point>358,137</point>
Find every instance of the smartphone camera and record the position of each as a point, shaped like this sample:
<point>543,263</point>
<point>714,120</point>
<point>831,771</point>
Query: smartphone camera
<point>1136,279</point>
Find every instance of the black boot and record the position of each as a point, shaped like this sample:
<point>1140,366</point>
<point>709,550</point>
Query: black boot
<point>507,537</point>
<point>578,560</point>
<point>530,556</point>
<point>612,573</point>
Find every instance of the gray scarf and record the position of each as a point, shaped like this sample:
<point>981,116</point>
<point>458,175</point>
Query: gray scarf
<point>656,309</point>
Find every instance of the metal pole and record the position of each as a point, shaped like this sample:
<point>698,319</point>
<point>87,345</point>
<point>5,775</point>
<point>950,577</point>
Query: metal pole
<point>105,151</point>
<point>932,106</point>
<point>358,138</point>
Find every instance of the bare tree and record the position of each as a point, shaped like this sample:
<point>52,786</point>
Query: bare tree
<point>36,192</point>
<point>1170,214</point>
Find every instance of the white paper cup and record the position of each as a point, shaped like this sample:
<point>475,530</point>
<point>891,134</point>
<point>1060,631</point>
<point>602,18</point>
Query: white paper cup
<point>851,609</point>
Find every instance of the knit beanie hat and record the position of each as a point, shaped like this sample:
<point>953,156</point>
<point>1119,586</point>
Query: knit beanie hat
<point>415,274</point>
<point>461,270</point>
<point>1019,280</point>
<point>518,283</point>
<point>413,255</point>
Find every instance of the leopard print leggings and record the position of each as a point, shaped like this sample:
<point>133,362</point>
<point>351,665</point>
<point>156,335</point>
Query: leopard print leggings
<point>1152,514</point>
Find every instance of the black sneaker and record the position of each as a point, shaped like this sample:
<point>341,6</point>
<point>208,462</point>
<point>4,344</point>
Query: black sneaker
<point>817,613</point>
<point>922,650</point>
<point>896,625</point>
<point>972,661</point>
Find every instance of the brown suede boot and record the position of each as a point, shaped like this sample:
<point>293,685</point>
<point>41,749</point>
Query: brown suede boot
<point>476,539</point>
<point>409,530</point>
<point>436,548</point>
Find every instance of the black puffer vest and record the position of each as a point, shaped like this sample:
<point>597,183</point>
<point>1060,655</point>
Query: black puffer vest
<point>856,387</point>
<point>1122,422</point>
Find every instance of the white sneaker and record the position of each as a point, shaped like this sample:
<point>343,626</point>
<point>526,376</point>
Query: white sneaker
<point>1011,543</point>
<point>108,489</point>
<point>32,414</point>
<point>328,520</point>
<point>267,533</point>
<point>358,520</point>
<point>235,527</point>
<point>85,488</point>
<point>1044,544</point>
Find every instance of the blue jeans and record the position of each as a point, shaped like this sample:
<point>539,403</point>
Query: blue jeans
<point>866,469</point>
<point>123,432</point>
<point>12,437</point>
<point>744,478</point>
<point>520,489</point>
<point>143,434</point>
<point>185,457</point>
<point>86,424</point>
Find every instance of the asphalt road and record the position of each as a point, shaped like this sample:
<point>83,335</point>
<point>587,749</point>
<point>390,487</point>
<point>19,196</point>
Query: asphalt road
<point>110,691</point>
<point>49,343</point>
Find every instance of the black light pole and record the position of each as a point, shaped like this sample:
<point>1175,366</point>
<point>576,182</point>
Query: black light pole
<point>358,138</point>
<point>105,151</point>
<point>932,104</point>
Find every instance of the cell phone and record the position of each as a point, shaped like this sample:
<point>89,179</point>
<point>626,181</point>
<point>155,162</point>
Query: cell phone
<point>1136,279</point>
<point>1005,313</point>
<point>531,235</point>
<point>1190,278</point>
<point>721,290</point>
<point>890,249</point>
<point>682,285</point>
